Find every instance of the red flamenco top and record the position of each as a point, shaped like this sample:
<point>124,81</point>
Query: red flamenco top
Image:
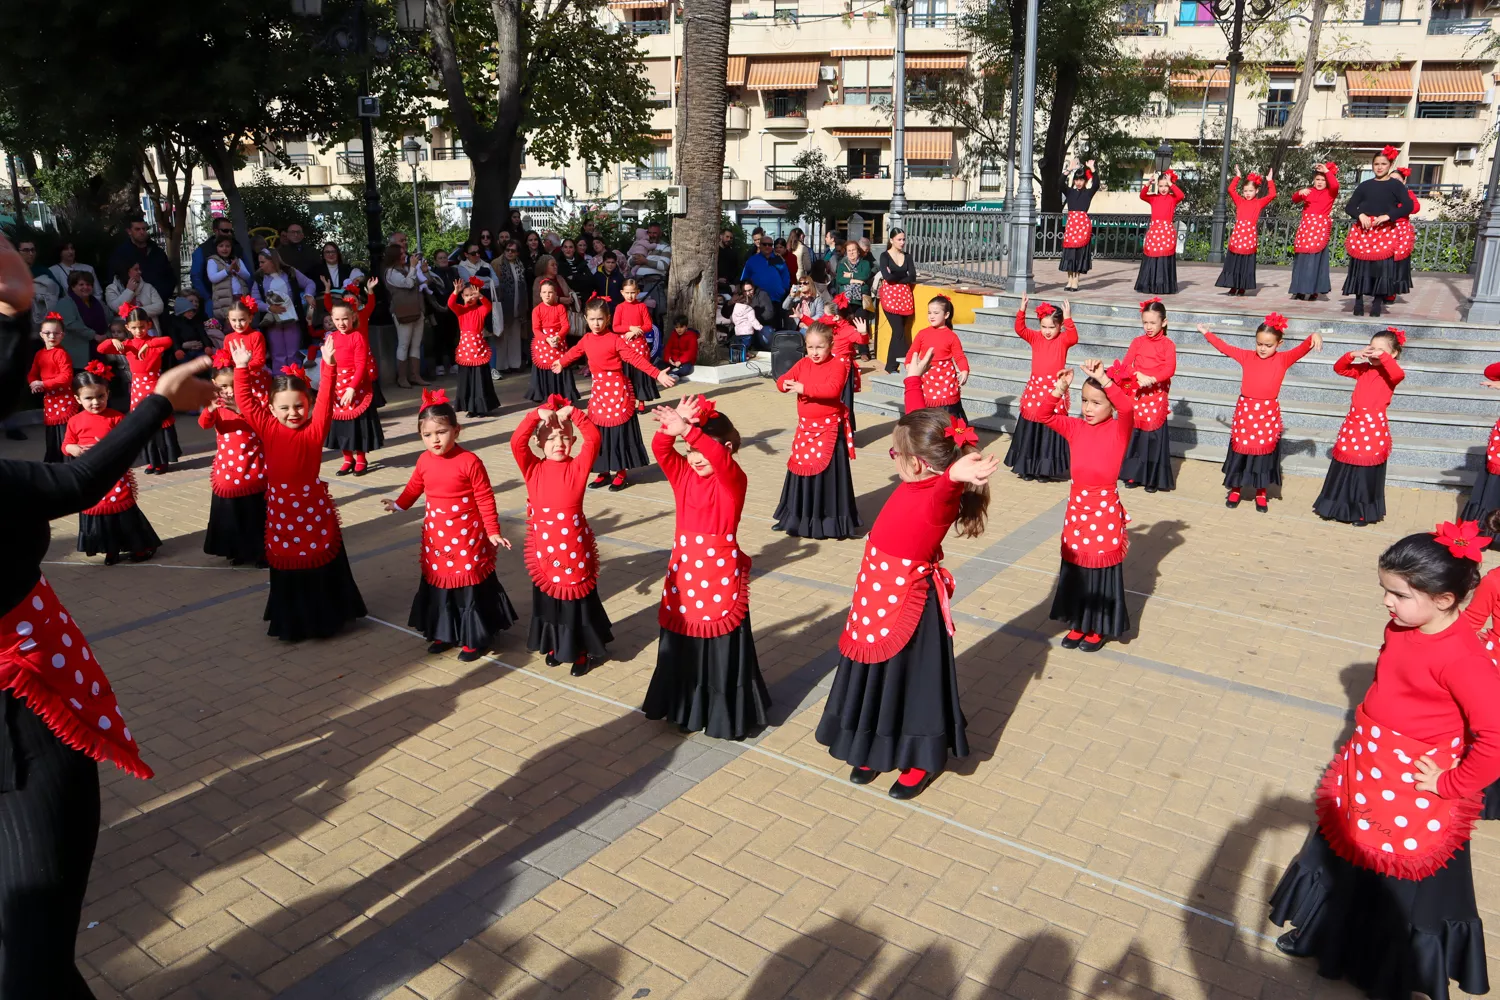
<point>1434,695</point>
<point>629,314</point>
<point>549,321</point>
<point>143,355</point>
<point>351,361</point>
<point>54,369</point>
<point>1048,357</point>
<point>473,349</point>
<point>821,414</point>
<point>460,518</point>
<point>561,555</point>
<point>1317,217</point>
<point>1094,534</point>
<point>239,460</point>
<point>1161,234</point>
<point>706,592</point>
<point>903,555</point>
<point>682,348</point>
<point>1155,356</point>
<point>302,525</point>
<point>1260,378</point>
<point>940,380</point>
<point>88,429</point>
<point>372,370</point>
<point>1484,606</point>
<point>845,336</point>
<point>612,400</point>
<point>254,342</point>
<point>1364,438</point>
<point>1244,237</point>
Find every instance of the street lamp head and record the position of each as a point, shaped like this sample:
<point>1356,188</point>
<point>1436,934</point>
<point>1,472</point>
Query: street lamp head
<point>411,150</point>
<point>411,15</point>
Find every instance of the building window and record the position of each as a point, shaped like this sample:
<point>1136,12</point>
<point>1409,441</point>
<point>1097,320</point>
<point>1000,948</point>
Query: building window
<point>1194,13</point>
<point>786,104</point>
<point>786,10</point>
<point>1425,178</point>
<point>930,14</point>
<point>863,163</point>
<point>868,81</point>
<point>991,176</point>
<point>1377,107</point>
<point>1382,11</point>
<point>1278,105</point>
<point>1447,109</point>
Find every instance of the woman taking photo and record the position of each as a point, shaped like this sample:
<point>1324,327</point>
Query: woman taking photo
<point>895,285</point>
<point>404,278</point>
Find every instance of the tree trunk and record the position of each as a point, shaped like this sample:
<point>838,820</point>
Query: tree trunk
<point>1056,146</point>
<point>217,156</point>
<point>692,285</point>
<point>1293,124</point>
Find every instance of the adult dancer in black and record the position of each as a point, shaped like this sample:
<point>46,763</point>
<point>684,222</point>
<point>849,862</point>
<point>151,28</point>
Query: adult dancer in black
<point>1371,244</point>
<point>1078,235</point>
<point>49,748</point>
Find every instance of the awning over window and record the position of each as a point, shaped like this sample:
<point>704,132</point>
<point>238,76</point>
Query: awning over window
<point>1379,83</point>
<point>861,133</point>
<point>662,136</point>
<point>546,202</point>
<point>862,53</point>
<point>735,75</point>
<point>1200,79</point>
<point>783,74</point>
<point>929,146</point>
<point>636,4</point>
<point>937,63</point>
<point>659,75</point>
<point>1451,85</point>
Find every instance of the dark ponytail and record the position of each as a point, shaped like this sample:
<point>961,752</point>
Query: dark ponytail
<point>921,433</point>
<point>1427,565</point>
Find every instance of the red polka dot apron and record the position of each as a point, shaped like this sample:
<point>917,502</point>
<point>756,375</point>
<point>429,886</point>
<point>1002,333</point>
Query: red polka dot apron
<point>1037,401</point>
<point>58,405</point>
<point>896,299</point>
<point>1312,233</point>
<point>1405,239</point>
<point>45,660</point>
<point>1161,238</point>
<point>889,598</point>
<point>1376,243</point>
<point>707,589</point>
<point>1244,237</point>
<point>1257,426</point>
<point>456,552</point>
<point>346,378</point>
<point>561,554</point>
<point>143,384</point>
<point>543,354</point>
<point>1094,533</point>
<point>611,400</point>
<point>1492,451</point>
<point>120,498</point>
<point>302,526</point>
<point>1079,231</point>
<point>1151,405</point>
<point>1364,438</point>
<point>813,444</point>
<point>940,383</point>
<point>473,349</point>
<point>239,463</point>
<point>1370,811</point>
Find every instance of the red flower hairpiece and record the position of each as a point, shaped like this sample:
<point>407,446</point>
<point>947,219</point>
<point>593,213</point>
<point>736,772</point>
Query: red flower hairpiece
<point>841,301</point>
<point>1044,310</point>
<point>1276,321</point>
<point>707,408</point>
<point>557,401</point>
<point>961,433</point>
<point>223,359</point>
<point>100,369</point>
<point>52,317</point>
<point>1405,172</point>
<point>1170,175</point>
<point>601,298</point>
<point>1463,539</point>
<point>295,371</point>
<point>126,308</point>
<point>351,286</point>
<point>1331,167</point>
<point>433,398</point>
<point>1122,376</point>
<point>1398,333</point>
<point>1390,153</point>
<point>1153,300</point>
<point>248,303</point>
<point>1255,178</point>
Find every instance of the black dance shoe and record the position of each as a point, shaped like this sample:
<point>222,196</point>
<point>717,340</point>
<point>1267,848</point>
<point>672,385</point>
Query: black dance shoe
<point>905,793</point>
<point>580,667</point>
<point>1068,642</point>
<point>439,647</point>
<point>863,775</point>
<point>1091,647</point>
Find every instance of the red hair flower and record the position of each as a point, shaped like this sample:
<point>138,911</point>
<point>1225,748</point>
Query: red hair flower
<point>295,371</point>
<point>1398,333</point>
<point>961,433</point>
<point>1405,172</point>
<point>126,308</point>
<point>1463,539</point>
<point>707,409</point>
<point>1255,179</point>
<point>433,398</point>
<point>1123,376</point>
<point>1044,310</point>
<point>1153,300</point>
<point>601,298</point>
<point>223,359</point>
<point>1390,153</point>
<point>475,281</point>
<point>557,401</point>
<point>1276,321</point>
<point>52,317</point>
<point>248,303</point>
<point>841,301</point>
<point>1331,167</point>
<point>100,369</point>
<point>351,286</point>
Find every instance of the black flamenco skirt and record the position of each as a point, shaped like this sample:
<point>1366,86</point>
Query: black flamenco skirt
<point>377,397</point>
<point>848,398</point>
<point>567,630</point>
<point>1148,460</point>
<point>462,616</point>
<point>709,684</point>
<point>544,384</point>
<point>1491,808</point>
<point>237,528</point>
<point>646,389</point>
<point>1370,277</point>
<point>361,434</point>
<point>313,603</point>
<point>902,712</point>
<point>957,410</point>
<point>1077,260</point>
<point>1403,276</point>
<point>1352,494</point>
<point>1310,274</point>
<point>1483,498</point>
<point>1091,599</point>
<point>1255,472</point>
<point>127,533</point>
<point>621,448</point>
<point>1157,276</point>
<point>1038,452</point>
<point>54,438</point>
<point>1387,936</point>
<point>820,506</point>
<point>162,448</point>
<point>475,392</point>
<point>1238,271</point>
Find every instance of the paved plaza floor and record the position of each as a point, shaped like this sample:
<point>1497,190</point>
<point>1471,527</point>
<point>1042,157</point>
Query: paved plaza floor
<point>354,818</point>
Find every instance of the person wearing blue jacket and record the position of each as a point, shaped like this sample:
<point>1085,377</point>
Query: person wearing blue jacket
<point>768,272</point>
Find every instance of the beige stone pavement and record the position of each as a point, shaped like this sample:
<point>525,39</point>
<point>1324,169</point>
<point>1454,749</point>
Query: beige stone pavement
<point>1115,832</point>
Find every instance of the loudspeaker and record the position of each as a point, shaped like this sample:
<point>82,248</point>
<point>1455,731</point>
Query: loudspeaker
<point>787,348</point>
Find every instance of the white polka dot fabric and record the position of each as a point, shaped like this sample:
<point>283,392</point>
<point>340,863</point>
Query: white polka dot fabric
<point>889,596</point>
<point>1312,232</point>
<point>1161,238</point>
<point>1151,406</point>
<point>562,556</point>
<point>1256,427</point>
<point>612,400</point>
<point>302,526</point>
<point>1376,243</point>
<point>1492,451</point>
<point>1094,526</point>
<point>1244,238</point>
<point>1079,231</point>
<point>1037,401</point>
<point>940,383</point>
<point>707,587</point>
<point>814,441</point>
<point>455,550</point>
<point>1364,437</point>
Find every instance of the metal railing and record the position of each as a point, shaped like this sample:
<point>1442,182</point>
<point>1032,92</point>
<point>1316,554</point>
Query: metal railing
<point>868,172</point>
<point>1141,28</point>
<point>454,152</point>
<point>931,20</point>
<point>642,173</point>
<point>1183,22</point>
<point>929,171</point>
<point>271,161</point>
<point>1458,26</point>
<point>1447,109</point>
<point>1213,109</point>
<point>1376,21</point>
<point>655,27</point>
<point>1440,190</point>
<point>1374,109</point>
<point>991,178</point>
<point>780,178</point>
<point>969,247</point>
<point>1273,114</point>
<point>350,163</point>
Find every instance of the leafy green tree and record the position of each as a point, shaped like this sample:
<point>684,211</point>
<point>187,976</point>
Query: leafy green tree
<point>270,203</point>
<point>346,221</point>
<point>817,193</point>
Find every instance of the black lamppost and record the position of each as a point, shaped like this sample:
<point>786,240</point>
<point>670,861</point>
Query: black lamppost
<point>1484,299</point>
<point>1234,31</point>
<point>1163,155</point>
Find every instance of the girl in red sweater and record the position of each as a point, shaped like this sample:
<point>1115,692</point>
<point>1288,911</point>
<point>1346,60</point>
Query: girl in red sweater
<point>460,601</point>
<point>237,510</point>
<point>1036,450</point>
<point>312,588</point>
<point>1250,198</point>
<point>240,332</point>
<point>1484,498</point>
<point>681,350</point>
<point>475,392</point>
<point>567,618</point>
<point>115,524</point>
<point>1158,273</point>
<point>612,404</point>
<point>1310,260</point>
<point>894,702</point>
<point>1382,892</point>
<point>549,339</point>
<point>364,307</point>
<point>1091,580</point>
<point>817,498</point>
<point>707,676</point>
<point>51,377</point>
<point>1254,459</point>
<point>632,320</point>
<point>143,353</point>
<point>1147,370</point>
<point>355,428</point>
<point>1354,489</point>
<point>943,382</point>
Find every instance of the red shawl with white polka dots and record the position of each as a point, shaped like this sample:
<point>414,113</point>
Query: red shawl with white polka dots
<point>706,592</point>
<point>54,369</point>
<point>820,413</point>
<point>611,399</point>
<point>456,549</point>
<point>239,461</point>
<point>554,501</point>
<point>88,429</point>
<point>1364,438</point>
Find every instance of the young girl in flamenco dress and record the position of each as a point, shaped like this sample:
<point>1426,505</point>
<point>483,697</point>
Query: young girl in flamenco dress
<point>1354,488</point>
<point>51,377</point>
<point>1158,272</point>
<point>817,497</point>
<point>115,525</point>
<point>1314,231</point>
<point>1036,450</point>
<point>945,378</point>
<point>475,393</point>
<point>549,339</point>
<point>237,509</point>
<point>1250,198</point>
<point>1147,370</point>
<point>143,353</point>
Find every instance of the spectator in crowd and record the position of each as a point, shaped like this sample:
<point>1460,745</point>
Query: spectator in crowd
<point>486,245</point>
<point>228,278</point>
<point>517,223</point>
<point>821,276</point>
<point>853,274</point>
<point>575,268</point>
<point>787,256</point>
<point>547,270</point>
<point>750,317</point>
<point>806,303</point>
<point>730,265</point>
<point>67,263</point>
<point>405,278</point>
<point>609,281</point>
<point>85,321</point>
<point>681,351</point>
<point>47,291</point>
<point>513,290</point>
<point>650,255</point>
<point>530,251</point>
<point>757,236</point>
<point>445,324</point>
<point>832,250</point>
<point>601,251</point>
<point>285,296</point>
<point>189,336</point>
<point>799,252</point>
<point>473,265</point>
<point>131,289</point>
<point>768,272</point>
<point>138,248</point>
<point>299,254</point>
<point>220,228</point>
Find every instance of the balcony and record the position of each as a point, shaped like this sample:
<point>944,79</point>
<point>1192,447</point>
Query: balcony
<point>865,172</point>
<point>1458,26</point>
<point>1374,110</point>
<point>938,188</point>
<point>655,27</point>
<point>780,178</point>
<point>641,173</point>
<point>1376,22</point>
<point>1141,29</point>
<point>736,118</point>
<point>991,178</point>
<point>1447,109</point>
<point>1208,109</point>
<point>932,20</point>
<point>734,188</point>
<point>1273,114</point>
<point>1436,190</point>
<point>929,171</point>
<point>350,164</point>
<point>790,120</point>
<point>271,161</point>
<point>449,152</point>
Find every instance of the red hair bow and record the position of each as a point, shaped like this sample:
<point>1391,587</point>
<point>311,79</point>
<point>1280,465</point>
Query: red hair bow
<point>1463,539</point>
<point>961,433</point>
<point>1255,178</point>
<point>601,298</point>
<point>1398,333</point>
<point>100,369</point>
<point>248,303</point>
<point>1276,321</point>
<point>1044,310</point>
<point>557,401</point>
<point>295,371</point>
<point>1170,175</point>
<point>126,308</point>
<point>707,409</point>
<point>474,280</point>
<point>1390,153</point>
<point>52,317</point>
<point>841,301</point>
<point>223,359</point>
<point>433,398</point>
<point>1331,167</point>
<point>351,286</point>
<point>1153,300</point>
